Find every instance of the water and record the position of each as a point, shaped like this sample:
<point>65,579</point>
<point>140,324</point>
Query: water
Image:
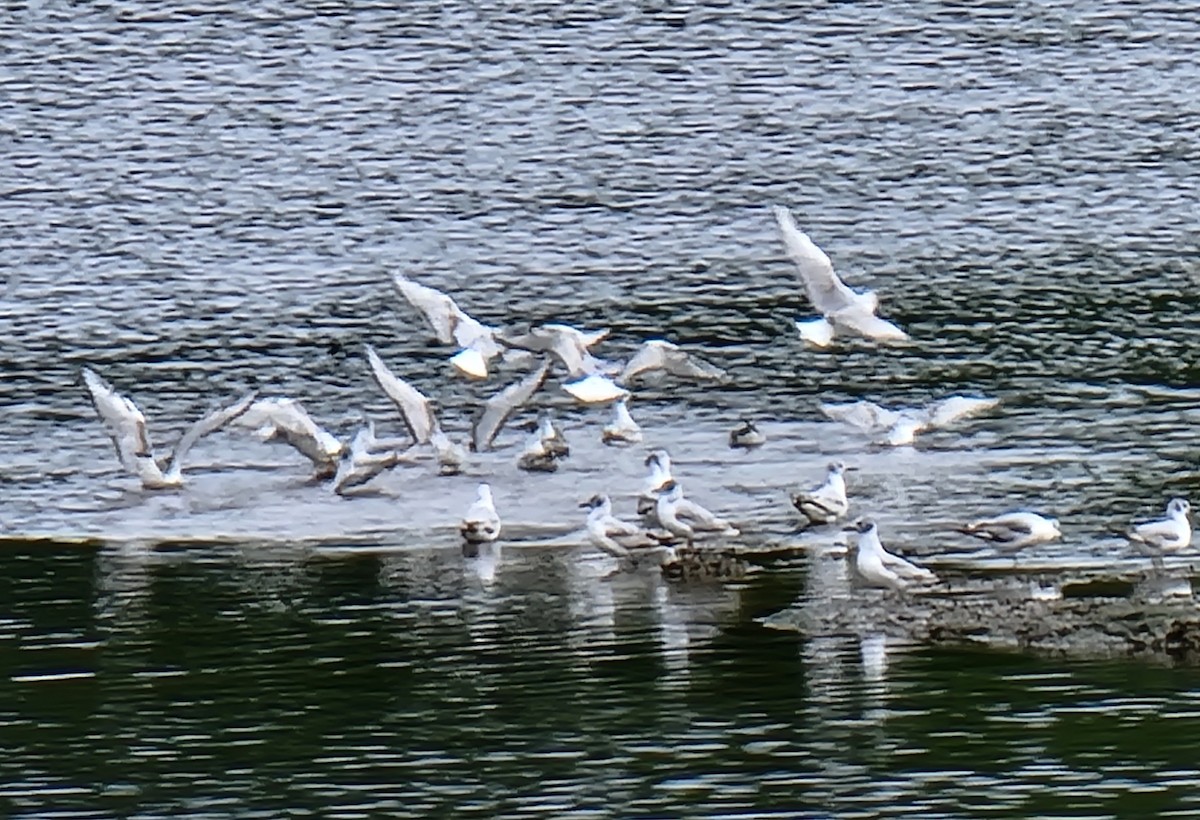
<point>197,200</point>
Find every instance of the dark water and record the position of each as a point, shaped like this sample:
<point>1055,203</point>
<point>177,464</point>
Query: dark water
<point>196,199</point>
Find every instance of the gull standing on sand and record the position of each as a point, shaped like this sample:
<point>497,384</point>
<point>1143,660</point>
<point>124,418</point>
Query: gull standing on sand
<point>481,524</point>
<point>127,427</point>
<point>843,310</point>
<point>1014,531</point>
<point>682,517</point>
<point>827,502</point>
<point>877,567</point>
<point>1166,535</point>
<point>286,420</point>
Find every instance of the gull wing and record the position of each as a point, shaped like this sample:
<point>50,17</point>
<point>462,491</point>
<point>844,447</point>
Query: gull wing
<point>951,409</point>
<point>865,415</point>
<point>1162,533</point>
<point>565,342</point>
<point>439,309</point>
<point>472,334</point>
<point>905,568</point>
<point>210,423</point>
<point>825,290</point>
<point>414,405</point>
<point>1002,528</point>
<point>126,424</point>
<point>659,354</point>
<point>287,419</point>
<point>501,406</point>
<point>865,323</point>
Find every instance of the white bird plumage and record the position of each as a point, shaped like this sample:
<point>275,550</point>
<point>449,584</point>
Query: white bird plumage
<point>658,473</point>
<point>286,420</point>
<point>622,429</point>
<point>481,523</point>
<point>843,309</point>
<point>367,457</point>
<point>877,567</point>
<point>899,427</point>
<point>452,325</point>
<point>1165,535</point>
<point>1012,531</point>
<point>127,427</point>
<point>685,518</point>
<point>827,502</point>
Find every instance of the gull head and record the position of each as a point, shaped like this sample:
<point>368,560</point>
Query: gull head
<point>1178,508</point>
<point>671,491</point>
<point>862,526</point>
<point>596,502</point>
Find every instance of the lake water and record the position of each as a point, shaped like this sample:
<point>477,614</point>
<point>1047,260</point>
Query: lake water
<point>201,199</point>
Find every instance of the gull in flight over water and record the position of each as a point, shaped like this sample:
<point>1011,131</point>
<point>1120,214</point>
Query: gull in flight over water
<point>1166,535</point>
<point>417,411</point>
<point>842,310</point>
<point>500,407</point>
<point>877,567</point>
<point>900,427</point>
<point>286,420</point>
<point>827,502</point>
<point>127,427</point>
<point>476,341</point>
<point>1012,531</point>
<point>481,524</point>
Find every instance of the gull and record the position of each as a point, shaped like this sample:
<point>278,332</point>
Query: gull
<point>476,341</point>
<point>367,457</point>
<point>497,410</point>
<point>842,309</point>
<point>622,429</point>
<point>661,355</point>
<point>1170,534</point>
<point>286,420</point>
<point>1012,531</point>
<point>747,436</point>
<point>658,464</point>
<point>552,436</point>
<point>481,523</point>
<point>672,508</point>
<point>127,427</point>
<point>877,567</point>
<point>826,502</point>
<point>900,427</point>
<point>587,377</point>
<point>620,539</point>
<point>416,409</point>
<point>536,457</point>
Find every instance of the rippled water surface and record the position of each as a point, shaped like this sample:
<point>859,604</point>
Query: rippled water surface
<point>201,199</point>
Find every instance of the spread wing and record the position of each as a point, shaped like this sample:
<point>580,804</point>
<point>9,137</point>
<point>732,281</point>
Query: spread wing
<point>208,424</point>
<point>126,424</point>
<point>865,323</point>
<point>951,409</point>
<point>569,345</point>
<point>414,406</point>
<point>439,309</point>
<point>825,290</point>
<point>501,406</point>
<point>865,415</point>
<point>287,419</point>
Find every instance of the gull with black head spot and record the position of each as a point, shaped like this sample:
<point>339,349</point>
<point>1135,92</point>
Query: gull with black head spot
<point>481,524</point>
<point>876,567</point>
<point>1166,535</point>
<point>827,502</point>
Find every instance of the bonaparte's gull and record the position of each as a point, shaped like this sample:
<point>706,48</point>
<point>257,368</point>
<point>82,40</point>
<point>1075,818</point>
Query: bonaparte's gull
<point>476,341</point>
<point>568,344</point>
<point>683,517</point>
<point>877,567</point>
<point>286,420</point>
<point>366,458</point>
<point>658,467</point>
<point>844,310</point>
<point>127,427</point>
<point>620,539</point>
<point>747,436</point>
<point>661,355</point>
<point>536,457</point>
<point>552,436</point>
<point>451,457</point>
<point>827,502</point>
<point>1166,535</point>
<point>622,429</point>
<point>1013,531</point>
<point>500,407</point>
<point>481,523</point>
<point>899,427</point>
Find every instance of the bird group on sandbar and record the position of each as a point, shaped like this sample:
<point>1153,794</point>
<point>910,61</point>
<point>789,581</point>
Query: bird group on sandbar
<point>673,534</point>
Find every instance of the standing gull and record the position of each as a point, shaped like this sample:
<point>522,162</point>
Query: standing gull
<point>843,310</point>
<point>682,517</point>
<point>827,502</point>
<point>1166,535</point>
<point>622,429</point>
<point>658,473</point>
<point>877,567</point>
<point>127,427</point>
<point>620,539</point>
<point>481,523</point>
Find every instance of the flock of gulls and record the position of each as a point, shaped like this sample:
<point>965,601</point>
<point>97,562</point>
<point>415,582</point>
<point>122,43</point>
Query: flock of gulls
<point>673,533</point>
